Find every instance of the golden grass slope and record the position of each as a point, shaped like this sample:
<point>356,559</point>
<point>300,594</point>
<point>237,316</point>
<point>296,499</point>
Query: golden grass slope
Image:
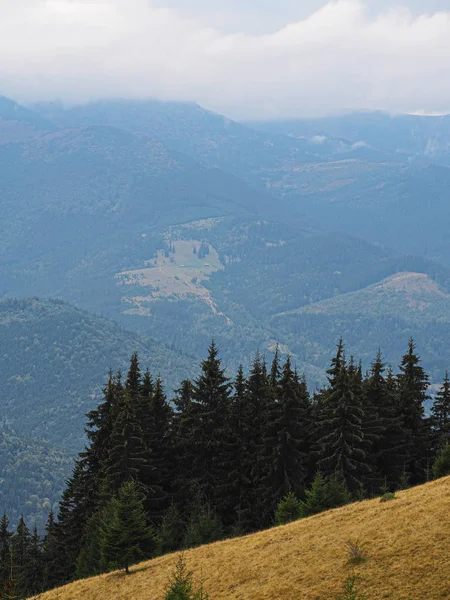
<point>407,541</point>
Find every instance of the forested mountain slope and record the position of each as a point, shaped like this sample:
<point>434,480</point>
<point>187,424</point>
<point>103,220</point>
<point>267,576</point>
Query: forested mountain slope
<point>54,359</point>
<point>107,214</point>
<point>32,476</point>
<point>405,542</point>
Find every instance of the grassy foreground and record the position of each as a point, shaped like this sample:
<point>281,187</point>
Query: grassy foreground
<point>406,541</point>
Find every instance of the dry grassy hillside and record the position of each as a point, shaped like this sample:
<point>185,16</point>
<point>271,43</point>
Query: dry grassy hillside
<point>407,541</point>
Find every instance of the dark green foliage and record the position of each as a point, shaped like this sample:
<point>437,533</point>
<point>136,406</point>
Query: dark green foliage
<point>5,548</point>
<point>128,457</point>
<point>341,442</point>
<point>383,418</point>
<point>155,419</point>
<point>171,530</point>
<point>285,437</point>
<point>32,579</point>
<point>441,466</point>
<point>289,509</point>
<point>211,398</point>
<point>325,493</point>
<point>126,536</point>
<point>412,394</point>
<point>441,412</point>
<point>350,590</point>
<point>387,497</point>
<point>181,586</point>
<point>227,461</point>
<point>203,527</point>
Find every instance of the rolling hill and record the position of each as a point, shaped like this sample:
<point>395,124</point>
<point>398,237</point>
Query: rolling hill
<point>92,209</point>
<point>382,315</point>
<point>54,360</point>
<point>405,542</point>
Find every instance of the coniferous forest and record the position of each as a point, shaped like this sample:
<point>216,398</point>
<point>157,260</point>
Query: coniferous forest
<point>228,457</point>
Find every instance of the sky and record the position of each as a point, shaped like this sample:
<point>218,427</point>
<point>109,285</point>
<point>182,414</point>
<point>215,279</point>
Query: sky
<point>248,59</point>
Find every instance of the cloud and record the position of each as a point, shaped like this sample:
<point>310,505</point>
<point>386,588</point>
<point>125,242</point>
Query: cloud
<point>339,58</point>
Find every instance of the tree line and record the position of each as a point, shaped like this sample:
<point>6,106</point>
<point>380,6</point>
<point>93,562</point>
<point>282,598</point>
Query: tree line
<point>228,457</point>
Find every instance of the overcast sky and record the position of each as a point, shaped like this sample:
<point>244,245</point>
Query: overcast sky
<point>244,58</point>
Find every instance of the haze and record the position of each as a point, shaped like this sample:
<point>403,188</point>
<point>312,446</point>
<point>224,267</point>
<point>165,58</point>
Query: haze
<point>257,59</point>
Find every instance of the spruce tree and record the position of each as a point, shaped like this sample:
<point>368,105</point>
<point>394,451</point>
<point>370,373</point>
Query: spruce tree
<point>286,441</point>
<point>21,541</point>
<point>128,458</point>
<point>183,427</point>
<point>412,388</point>
<point>50,552</point>
<point>383,422</point>
<point>341,438</point>
<point>181,586</point>
<point>126,536</point>
<point>254,514</point>
<point>156,423</point>
<point>211,397</point>
<point>32,582</point>
<point>441,413</point>
<point>5,549</point>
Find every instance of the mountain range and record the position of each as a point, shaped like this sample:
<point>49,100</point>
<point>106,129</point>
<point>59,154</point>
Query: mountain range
<point>169,224</point>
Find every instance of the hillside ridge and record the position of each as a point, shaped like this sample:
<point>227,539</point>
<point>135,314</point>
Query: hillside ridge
<point>405,541</point>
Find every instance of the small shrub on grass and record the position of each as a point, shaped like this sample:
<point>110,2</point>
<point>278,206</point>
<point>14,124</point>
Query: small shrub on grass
<point>289,509</point>
<point>441,466</point>
<point>181,586</point>
<point>325,493</point>
<point>355,552</point>
<point>350,590</point>
<point>386,497</point>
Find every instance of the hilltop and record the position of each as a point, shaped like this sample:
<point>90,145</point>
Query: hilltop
<point>405,540</point>
<point>382,314</point>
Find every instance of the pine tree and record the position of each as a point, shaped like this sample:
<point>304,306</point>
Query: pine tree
<point>72,516</point>
<point>50,552</point>
<point>239,488</point>
<point>286,441</point>
<point>183,429</point>
<point>289,509</point>
<point>441,466</point>
<point>325,493</point>
<point>412,387</point>
<point>211,397</point>
<point>156,424</point>
<point>254,514</point>
<point>181,586</point>
<point>32,581</point>
<point>128,458</point>
<point>382,420</point>
<point>341,438</point>
<point>5,549</point>
<point>21,541</point>
<point>441,412</point>
<point>171,531</point>
<point>204,526</point>
<point>126,537</point>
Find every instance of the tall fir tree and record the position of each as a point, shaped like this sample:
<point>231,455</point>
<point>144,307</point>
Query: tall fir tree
<point>126,537</point>
<point>33,581</point>
<point>441,413</point>
<point>341,438</point>
<point>286,441</point>
<point>21,541</point>
<point>388,448</point>
<point>211,396</point>
<point>156,423</point>
<point>413,384</point>
<point>239,476</point>
<point>128,457</point>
